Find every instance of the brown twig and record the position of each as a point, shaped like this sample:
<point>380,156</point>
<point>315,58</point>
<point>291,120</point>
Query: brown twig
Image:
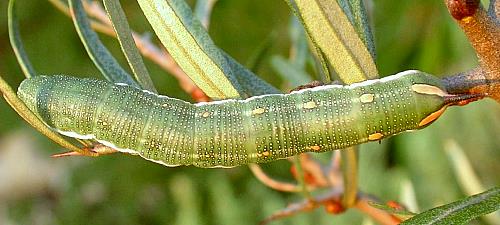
<point>303,206</point>
<point>313,168</point>
<point>332,202</point>
<point>272,183</point>
<point>483,32</point>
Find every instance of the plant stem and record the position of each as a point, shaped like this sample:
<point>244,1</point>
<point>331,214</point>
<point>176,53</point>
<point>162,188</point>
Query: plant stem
<point>350,172</point>
<point>21,109</point>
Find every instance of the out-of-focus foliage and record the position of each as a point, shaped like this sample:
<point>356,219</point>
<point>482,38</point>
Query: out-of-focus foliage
<point>122,189</point>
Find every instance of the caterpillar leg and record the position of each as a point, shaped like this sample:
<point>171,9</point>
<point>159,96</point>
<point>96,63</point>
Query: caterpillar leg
<point>463,99</point>
<point>94,151</point>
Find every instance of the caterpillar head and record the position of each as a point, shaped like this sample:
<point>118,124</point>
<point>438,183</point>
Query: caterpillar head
<point>431,96</point>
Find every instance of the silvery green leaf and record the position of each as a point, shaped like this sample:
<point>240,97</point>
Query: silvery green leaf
<point>16,42</point>
<point>99,54</point>
<point>462,211</point>
<point>127,43</point>
<point>335,39</point>
<point>190,45</point>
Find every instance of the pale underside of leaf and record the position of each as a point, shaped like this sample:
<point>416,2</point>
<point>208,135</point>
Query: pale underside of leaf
<point>337,40</point>
<point>191,47</point>
<point>356,13</point>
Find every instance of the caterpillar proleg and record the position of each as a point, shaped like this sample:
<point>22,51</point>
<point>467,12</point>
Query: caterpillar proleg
<point>231,132</point>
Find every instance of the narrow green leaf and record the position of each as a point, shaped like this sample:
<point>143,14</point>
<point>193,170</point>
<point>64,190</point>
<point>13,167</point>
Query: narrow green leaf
<point>16,42</point>
<point>293,74</point>
<point>462,211</point>
<point>21,109</point>
<point>127,43</point>
<point>321,61</point>
<point>334,37</point>
<point>99,54</point>
<point>356,12</point>
<point>250,83</point>
<point>190,45</point>
<point>203,11</point>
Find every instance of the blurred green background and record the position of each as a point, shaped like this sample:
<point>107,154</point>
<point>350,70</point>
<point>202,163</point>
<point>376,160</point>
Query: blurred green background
<point>122,189</point>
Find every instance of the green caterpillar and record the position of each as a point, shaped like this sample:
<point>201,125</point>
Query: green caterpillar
<point>230,133</point>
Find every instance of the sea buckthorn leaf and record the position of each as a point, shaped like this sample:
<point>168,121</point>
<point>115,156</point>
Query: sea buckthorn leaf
<point>17,44</point>
<point>356,12</point>
<point>203,10</point>
<point>191,47</point>
<point>99,54</point>
<point>460,212</point>
<point>127,43</point>
<point>335,40</point>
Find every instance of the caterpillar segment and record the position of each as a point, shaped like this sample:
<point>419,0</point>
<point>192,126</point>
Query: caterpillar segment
<point>230,133</point>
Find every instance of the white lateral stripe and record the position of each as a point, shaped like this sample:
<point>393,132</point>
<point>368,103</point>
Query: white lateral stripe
<point>76,135</point>
<point>109,144</point>
<point>318,88</point>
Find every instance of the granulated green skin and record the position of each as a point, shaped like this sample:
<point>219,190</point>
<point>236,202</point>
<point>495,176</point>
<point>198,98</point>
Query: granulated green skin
<point>231,132</point>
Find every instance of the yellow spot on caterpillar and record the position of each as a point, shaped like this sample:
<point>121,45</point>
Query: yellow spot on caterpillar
<point>428,90</point>
<point>375,136</point>
<point>310,105</point>
<point>266,153</point>
<point>258,111</point>
<point>432,117</point>
<point>205,114</point>
<point>314,148</point>
<point>367,98</point>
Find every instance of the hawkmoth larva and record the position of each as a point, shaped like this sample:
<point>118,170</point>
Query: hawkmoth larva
<point>235,132</point>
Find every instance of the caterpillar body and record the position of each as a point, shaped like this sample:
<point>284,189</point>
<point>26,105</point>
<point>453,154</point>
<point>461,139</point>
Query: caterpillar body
<point>229,133</point>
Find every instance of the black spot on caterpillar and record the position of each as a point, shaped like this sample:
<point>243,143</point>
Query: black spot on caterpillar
<point>230,133</point>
